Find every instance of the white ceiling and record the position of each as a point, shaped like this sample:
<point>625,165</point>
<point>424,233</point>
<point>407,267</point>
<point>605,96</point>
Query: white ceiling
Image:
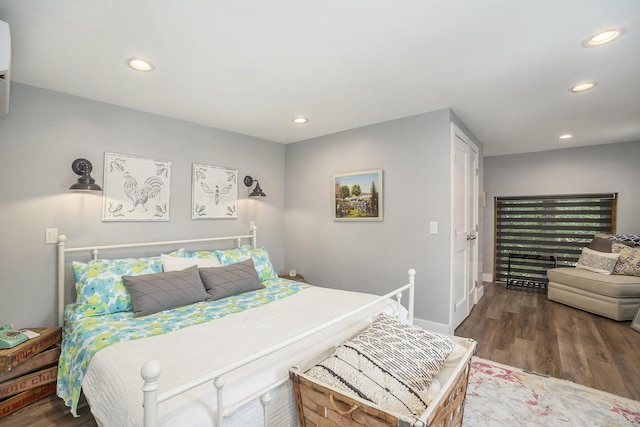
<point>249,66</point>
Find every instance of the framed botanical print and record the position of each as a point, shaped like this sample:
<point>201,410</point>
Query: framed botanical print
<point>135,188</point>
<point>358,196</point>
<point>214,192</point>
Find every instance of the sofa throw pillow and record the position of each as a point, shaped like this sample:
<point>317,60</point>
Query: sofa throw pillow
<point>629,262</point>
<point>603,242</point>
<point>151,293</point>
<point>230,280</point>
<point>599,262</point>
<point>632,239</point>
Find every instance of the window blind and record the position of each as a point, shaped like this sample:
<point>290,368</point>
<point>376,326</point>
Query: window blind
<point>557,225</point>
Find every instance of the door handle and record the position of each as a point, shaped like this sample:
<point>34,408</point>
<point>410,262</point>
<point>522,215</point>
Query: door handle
<point>471,237</point>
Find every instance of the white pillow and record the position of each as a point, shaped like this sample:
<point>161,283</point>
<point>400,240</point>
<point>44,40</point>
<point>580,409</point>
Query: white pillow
<point>173,263</point>
<point>598,262</point>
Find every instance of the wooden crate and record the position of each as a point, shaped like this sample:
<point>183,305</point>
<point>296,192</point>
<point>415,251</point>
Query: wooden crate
<point>320,405</point>
<point>25,398</point>
<point>28,372</point>
<point>12,357</point>
<point>39,361</point>
<point>28,381</point>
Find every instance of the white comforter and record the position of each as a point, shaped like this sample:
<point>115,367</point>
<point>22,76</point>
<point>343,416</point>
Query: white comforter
<point>113,383</point>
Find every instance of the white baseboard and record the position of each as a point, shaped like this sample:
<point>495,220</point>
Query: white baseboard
<point>479,293</point>
<point>487,277</point>
<point>439,328</point>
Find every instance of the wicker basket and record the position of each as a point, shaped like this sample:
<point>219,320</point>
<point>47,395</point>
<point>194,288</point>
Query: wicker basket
<point>320,405</point>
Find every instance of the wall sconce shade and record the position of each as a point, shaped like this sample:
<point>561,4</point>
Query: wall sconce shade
<point>83,168</point>
<point>257,192</point>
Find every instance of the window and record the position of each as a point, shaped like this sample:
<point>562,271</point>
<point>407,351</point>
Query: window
<point>548,225</point>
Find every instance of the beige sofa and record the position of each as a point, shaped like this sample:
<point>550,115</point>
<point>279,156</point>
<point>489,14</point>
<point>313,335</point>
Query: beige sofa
<point>607,280</point>
<point>614,296</point>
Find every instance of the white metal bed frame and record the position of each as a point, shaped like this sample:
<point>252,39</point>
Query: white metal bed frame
<point>152,369</point>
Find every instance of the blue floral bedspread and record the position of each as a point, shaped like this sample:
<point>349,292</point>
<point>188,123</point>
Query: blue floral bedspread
<point>85,336</point>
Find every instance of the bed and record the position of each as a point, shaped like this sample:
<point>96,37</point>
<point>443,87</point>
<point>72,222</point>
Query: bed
<point>219,361</point>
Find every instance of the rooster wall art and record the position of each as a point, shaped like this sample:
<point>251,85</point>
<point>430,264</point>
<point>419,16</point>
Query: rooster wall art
<point>140,195</point>
<point>136,189</point>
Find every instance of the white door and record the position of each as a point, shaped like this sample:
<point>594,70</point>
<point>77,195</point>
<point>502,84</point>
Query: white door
<point>464,261</point>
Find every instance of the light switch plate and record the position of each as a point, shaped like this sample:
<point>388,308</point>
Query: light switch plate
<point>433,227</point>
<point>50,236</point>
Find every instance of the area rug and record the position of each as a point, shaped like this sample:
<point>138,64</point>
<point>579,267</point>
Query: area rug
<point>501,395</point>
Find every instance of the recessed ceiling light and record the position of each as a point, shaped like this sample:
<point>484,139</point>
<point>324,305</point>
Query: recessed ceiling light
<point>300,120</point>
<point>139,64</point>
<point>603,37</point>
<point>566,136</point>
<point>581,87</point>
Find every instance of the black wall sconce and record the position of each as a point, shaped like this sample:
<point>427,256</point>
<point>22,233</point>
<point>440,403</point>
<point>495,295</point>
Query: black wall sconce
<point>83,168</point>
<point>248,181</point>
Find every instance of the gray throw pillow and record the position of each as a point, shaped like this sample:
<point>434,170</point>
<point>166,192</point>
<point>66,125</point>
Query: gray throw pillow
<point>229,280</point>
<point>151,293</point>
<point>603,244</point>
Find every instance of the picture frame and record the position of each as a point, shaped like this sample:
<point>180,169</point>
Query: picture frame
<point>358,196</point>
<point>214,192</point>
<point>135,188</point>
<point>635,323</point>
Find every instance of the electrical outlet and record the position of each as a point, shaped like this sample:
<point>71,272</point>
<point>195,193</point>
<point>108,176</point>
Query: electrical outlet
<point>50,236</point>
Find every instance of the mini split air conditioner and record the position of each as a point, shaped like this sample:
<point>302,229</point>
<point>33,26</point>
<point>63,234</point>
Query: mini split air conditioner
<point>5,68</point>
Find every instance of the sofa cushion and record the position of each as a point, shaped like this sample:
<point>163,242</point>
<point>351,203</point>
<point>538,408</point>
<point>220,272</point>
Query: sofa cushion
<point>610,285</point>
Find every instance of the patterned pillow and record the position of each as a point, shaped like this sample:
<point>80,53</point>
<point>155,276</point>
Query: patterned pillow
<point>629,238</point>
<point>598,262</point>
<point>200,254</point>
<point>629,262</point>
<point>260,259</point>
<point>265,269</point>
<point>99,286</point>
<point>390,363</point>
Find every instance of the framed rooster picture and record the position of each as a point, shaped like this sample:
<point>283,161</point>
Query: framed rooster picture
<point>135,188</point>
<point>214,192</point>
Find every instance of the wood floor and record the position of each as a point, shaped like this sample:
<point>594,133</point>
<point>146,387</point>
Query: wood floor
<point>523,328</point>
<point>515,327</point>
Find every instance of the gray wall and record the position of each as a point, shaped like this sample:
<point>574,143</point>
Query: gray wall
<point>415,155</point>
<point>45,131</point>
<point>597,169</point>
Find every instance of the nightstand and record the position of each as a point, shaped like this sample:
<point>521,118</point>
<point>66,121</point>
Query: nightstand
<point>297,277</point>
<point>28,371</point>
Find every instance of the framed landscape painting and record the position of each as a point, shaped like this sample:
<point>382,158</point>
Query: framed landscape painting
<point>358,196</point>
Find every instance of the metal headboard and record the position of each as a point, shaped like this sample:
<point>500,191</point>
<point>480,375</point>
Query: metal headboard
<point>94,250</point>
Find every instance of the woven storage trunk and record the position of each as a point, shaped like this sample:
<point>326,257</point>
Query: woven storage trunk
<point>320,405</point>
